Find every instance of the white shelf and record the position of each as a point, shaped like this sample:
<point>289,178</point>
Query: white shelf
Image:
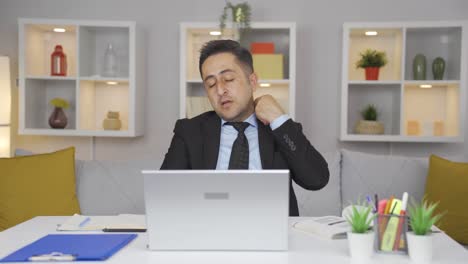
<point>194,34</point>
<point>285,81</point>
<point>90,94</point>
<point>69,132</point>
<point>434,82</point>
<point>374,82</point>
<point>409,111</point>
<point>398,138</point>
<point>105,79</point>
<point>31,77</point>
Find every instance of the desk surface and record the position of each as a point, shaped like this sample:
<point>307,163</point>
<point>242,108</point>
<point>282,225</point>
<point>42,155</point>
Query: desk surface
<point>303,248</point>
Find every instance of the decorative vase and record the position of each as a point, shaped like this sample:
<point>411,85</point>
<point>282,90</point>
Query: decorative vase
<point>110,68</point>
<point>419,67</point>
<point>58,62</point>
<point>112,122</point>
<point>372,73</point>
<point>419,247</point>
<point>438,68</point>
<point>369,127</point>
<point>361,246</point>
<point>58,119</point>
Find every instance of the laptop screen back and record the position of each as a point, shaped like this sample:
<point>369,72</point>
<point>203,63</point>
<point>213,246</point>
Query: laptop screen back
<point>217,210</point>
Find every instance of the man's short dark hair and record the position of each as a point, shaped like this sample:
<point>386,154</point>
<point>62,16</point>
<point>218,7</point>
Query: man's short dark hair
<point>230,46</point>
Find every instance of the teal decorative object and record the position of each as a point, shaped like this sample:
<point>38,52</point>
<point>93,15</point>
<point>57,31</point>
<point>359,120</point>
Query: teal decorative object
<point>419,67</point>
<point>438,68</point>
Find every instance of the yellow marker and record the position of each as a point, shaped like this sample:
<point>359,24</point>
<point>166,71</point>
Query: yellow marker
<point>388,238</point>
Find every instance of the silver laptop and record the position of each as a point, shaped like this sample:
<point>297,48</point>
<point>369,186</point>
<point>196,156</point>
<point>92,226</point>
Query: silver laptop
<point>217,210</point>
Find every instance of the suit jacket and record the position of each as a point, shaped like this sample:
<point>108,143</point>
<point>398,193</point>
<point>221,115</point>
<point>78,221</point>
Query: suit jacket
<point>196,141</point>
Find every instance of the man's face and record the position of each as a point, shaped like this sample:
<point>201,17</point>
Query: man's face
<point>229,89</point>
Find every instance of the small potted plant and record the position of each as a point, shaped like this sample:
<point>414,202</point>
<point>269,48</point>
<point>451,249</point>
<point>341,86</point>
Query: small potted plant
<point>369,123</point>
<point>240,19</point>
<point>422,218</point>
<point>371,60</point>
<point>361,237</point>
<point>58,119</point>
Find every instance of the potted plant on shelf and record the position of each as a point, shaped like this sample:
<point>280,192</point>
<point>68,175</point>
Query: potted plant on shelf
<point>58,119</point>
<point>372,60</point>
<point>422,218</point>
<point>240,19</point>
<point>369,123</point>
<point>361,237</point>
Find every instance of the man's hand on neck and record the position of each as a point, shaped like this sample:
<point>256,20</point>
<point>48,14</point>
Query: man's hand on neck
<point>267,109</point>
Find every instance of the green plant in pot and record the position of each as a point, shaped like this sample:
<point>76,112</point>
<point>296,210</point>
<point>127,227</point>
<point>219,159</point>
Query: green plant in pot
<point>241,14</point>
<point>369,123</point>
<point>371,61</point>
<point>361,237</point>
<point>422,218</point>
<point>58,119</point>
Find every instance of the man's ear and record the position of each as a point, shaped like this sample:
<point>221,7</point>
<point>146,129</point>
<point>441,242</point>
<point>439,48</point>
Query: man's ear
<point>253,79</point>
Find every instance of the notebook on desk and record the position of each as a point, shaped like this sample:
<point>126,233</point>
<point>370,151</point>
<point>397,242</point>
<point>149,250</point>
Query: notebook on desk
<point>217,210</point>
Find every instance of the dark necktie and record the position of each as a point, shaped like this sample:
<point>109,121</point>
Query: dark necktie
<point>239,159</point>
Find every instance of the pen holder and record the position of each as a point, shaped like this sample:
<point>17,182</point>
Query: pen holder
<point>390,234</point>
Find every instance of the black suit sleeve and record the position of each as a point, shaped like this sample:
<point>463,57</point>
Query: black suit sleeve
<point>177,157</point>
<point>308,168</point>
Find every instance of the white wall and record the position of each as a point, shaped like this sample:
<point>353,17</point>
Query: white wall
<point>319,31</point>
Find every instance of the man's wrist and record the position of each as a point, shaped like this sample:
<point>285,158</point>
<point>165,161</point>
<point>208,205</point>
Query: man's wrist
<point>278,121</point>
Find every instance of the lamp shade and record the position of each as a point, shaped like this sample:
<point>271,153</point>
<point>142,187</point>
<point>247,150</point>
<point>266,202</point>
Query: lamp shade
<point>4,141</point>
<point>5,106</point>
<point>5,91</point>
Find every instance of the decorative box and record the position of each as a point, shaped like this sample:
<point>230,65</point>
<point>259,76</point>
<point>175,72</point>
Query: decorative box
<point>262,48</point>
<point>268,66</point>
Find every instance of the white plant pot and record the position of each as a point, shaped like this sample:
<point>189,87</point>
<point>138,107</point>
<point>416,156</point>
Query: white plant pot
<point>361,246</point>
<point>419,247</point>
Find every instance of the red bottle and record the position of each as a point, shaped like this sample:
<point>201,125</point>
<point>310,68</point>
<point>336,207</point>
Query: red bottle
<point>58,62</point>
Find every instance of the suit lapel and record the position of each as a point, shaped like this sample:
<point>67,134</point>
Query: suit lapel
<point>266,145</point>
<point>211,137</point>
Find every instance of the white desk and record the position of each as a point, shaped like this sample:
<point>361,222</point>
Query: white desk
<point>303,248</point>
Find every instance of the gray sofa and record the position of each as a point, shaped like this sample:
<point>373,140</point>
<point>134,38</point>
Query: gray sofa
<point>112,187</point>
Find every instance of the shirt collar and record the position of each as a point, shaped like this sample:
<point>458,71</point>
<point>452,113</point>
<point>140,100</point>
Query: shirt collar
<point>252,120</point>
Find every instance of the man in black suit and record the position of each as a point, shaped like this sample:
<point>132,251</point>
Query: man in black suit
<point>242,133</point>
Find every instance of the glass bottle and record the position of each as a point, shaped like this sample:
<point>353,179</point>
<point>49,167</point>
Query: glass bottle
<point>110,68</point>
<point>58,62</point>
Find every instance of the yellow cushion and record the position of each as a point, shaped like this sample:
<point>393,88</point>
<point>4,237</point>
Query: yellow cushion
<point>37,185</point>
<point>447,182</point>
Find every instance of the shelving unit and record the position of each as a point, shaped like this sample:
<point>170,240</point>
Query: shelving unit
<point>90,94</point>
<point>409,111</point>
<point>193,100</point>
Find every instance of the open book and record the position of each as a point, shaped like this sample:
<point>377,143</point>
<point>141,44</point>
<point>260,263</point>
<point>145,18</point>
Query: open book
<point>115,222</point>
<point>331,227</point>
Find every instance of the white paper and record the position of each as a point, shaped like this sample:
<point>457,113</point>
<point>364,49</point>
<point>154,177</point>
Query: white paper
<point>123,221</point>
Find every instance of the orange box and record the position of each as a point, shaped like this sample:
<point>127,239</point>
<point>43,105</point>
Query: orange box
<point>412,128</point>
<point>438,128</point>
<point>262,48</point>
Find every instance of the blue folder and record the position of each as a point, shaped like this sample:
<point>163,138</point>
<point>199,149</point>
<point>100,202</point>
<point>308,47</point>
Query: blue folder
<point>90,247</point>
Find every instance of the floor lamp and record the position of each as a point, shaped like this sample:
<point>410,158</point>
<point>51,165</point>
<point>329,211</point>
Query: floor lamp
<point>5,107</point>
